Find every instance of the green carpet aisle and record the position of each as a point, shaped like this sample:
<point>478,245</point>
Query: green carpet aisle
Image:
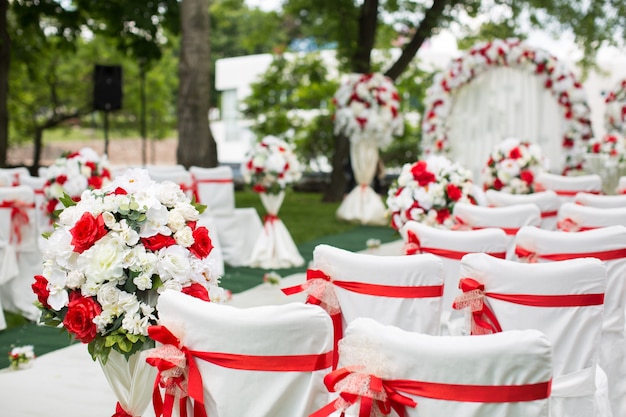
<point>46,339</point>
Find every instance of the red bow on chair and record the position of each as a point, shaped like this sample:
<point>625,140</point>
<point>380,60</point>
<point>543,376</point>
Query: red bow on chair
<point>19,217</point>
<point>371,391</point>
<point>412,245</point>
<point>484,320</point>
<point>526,255</point>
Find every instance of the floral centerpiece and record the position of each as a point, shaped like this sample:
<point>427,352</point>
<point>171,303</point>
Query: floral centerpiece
<point>606,156</point>
<point>108,259</point>
<point>615,114</point>
<point>71,174</point>
<point>513,166</point>
<point>21,356</point>
<point>367,108</point>
<point>270,166</point>
<point>427,190</point>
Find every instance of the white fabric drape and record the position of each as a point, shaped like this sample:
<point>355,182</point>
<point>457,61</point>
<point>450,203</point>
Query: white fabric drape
<point>274,248</point>
<point>504,102</point>
<point>131,381</point>
<point>362,204</point>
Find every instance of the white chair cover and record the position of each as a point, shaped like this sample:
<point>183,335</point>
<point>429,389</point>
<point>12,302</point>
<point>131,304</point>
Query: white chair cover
<point>450,246</point>
<point>600,201</point>
<point>15,173</point>
<point>237,228</point>
<point>547,201</point>
<point>42,220</point>
<point>566,187</point>
<point>609,245</point>
<point>574,217</point>
<point>508,218</point>
<point>5,180</point>
<point>419,314</point>
<point>290,329</point>
<point>362,204</point>
<point>274,247</point>
<point>513,358</point>
<point>621,185</point>
<point>215,188</point>
<point>573,331</point>
<point>20,258</point>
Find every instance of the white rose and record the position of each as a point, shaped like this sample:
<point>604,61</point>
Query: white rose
<point>74,186</point>
<point>173,263</point>
<point>108,295</point>
<point>169,193</point>
<point>143,282</point>
<point>188,211</point>
<point>184,237</point>
<point>104,260</point>
<point>176,220</point>
<point>75,279</point>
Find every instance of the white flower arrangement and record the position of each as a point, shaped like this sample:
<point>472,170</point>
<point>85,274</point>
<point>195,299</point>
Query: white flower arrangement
<point>513,166</point>
<point>612,147</point>
<point>272,278</point>
<point>558,79</point>
<point>615,114</point>
<point>368,108</point>
<point>112,254</point>
<point>21,356</point>
<point>270,166</point>
<point>71,174</point>
<point>372,243</point>
<point>427,190</point>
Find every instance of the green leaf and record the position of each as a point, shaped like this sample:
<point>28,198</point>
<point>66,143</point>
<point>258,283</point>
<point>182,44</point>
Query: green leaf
<point>67,200</point>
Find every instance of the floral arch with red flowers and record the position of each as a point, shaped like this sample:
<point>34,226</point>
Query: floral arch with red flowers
<point>615,114</point>
<point>513,53</point>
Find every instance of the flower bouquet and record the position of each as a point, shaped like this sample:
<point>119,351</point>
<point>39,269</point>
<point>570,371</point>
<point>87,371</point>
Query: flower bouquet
<point>21,356</point>
<point>606,157</point>
<point>615,115</point>
<point>513,166</point>
<point>427,190</point>
<point>367,112</point>
<point>71,174</point>
<point>269,167</point>
<point>105,264</point>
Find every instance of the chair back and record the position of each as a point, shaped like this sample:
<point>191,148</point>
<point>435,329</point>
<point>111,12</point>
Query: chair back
<point>600,200</point>
<point>564,300</point>
<point>267,339</point>
<point>566,187</point>
<point>547,201</point>
<point>452,375</point>
<point>575,217</point>
<point>215,188</point>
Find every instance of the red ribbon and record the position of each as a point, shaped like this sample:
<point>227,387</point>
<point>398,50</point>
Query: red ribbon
<point>19,217</point>
<point>120,412</point>
<point>545,214</point>
<point>572,193</point>
<point>414,246</point>
<point>570,225</point>
<point>607,255</point>
<point>196,181</point>
<point>270,218</point>
<point>386,394</point>
<point>194,391</point>
<point>484,320</point>
<point>361,288</point>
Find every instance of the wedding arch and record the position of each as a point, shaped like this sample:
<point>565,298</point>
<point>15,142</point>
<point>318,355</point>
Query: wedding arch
<point>553,75</point>
<point>615,114</point>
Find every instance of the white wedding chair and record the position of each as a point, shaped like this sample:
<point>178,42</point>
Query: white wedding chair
<point>508,218</point>
<point>505,374</point>
<point>564,300</point>
<point>20,258</point>
<point>609,245</point>
<point>237,228</point>
<point>405,291</point>
<point>42,220</point>
<point>600,200</point>
<point>574,217</point>
<point>266,361</point>
<point>450,246</point>
<point>14,174</point>
<point>547,201</point>
<point>179,176</point>
<point>566,187</point>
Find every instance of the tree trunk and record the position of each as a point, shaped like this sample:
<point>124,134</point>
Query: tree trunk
<point>361,63</point>
<point>196,145</point>
<point>37,146</point>
<point>5,45</point>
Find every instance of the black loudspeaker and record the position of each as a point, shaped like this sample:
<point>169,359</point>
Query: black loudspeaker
<point>107,87</point>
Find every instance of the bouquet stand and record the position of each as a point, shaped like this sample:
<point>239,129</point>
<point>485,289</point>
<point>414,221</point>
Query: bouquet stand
<point>274,247</point>
<point>362,204</point>
<point>131,380</point>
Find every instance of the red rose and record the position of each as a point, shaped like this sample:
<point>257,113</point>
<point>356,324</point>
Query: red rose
<point>497,184</point>
<point>51,205</point>
<point>202,245</point>
<point>40,288</point>
<point>106,173</point>
<point>92,166</point>
<point>421,174</point>
<point>157,242</point>
<point>198,291</point>
<point>258,188</point>
<point>87,231</point>
<point>595,148</point>
<point>515,153</point>
<point>442,215</point>
<point>62,179</point>
<point>94,182</point>
<point>79,318</point>
<point>454,192</point>
<point>527,176</point>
